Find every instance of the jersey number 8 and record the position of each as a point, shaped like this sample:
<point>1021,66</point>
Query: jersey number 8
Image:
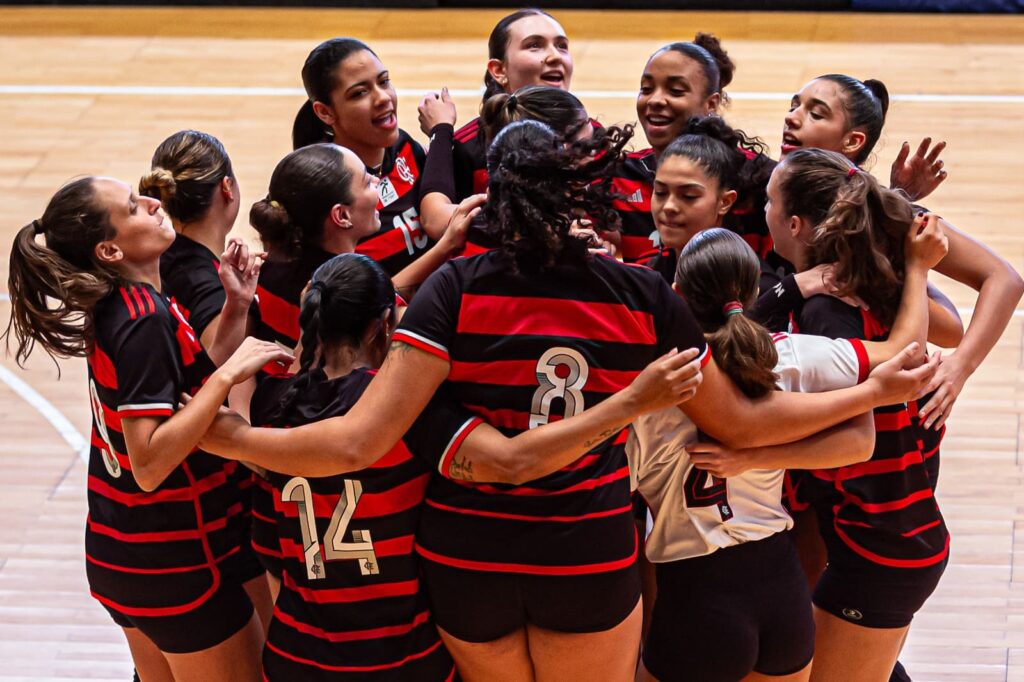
<point>107,449</point>
<point>561,373</point>
<point>297,490</point>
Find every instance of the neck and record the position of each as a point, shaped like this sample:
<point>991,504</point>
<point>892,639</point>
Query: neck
<point>148,273</point>
<point>371,157</point>
<point>339,241</point>
<point>209,231</point>
<point>343,359</point>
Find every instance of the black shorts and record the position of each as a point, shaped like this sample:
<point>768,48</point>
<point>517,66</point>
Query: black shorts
<point>741,609</point>
<point>481,606</point>
<point>222,615</point>
<point>875,596</point>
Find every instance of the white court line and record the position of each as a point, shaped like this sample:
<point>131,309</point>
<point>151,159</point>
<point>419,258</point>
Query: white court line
<point>191,91</point>
<point>57,420</point>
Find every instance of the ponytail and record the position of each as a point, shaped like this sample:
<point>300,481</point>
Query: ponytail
<point>860,226</point>
<point>308,128</point>
<point>719,149</point>
<point>54,288</point>
<point>559,109</point>
<point>718,275</point>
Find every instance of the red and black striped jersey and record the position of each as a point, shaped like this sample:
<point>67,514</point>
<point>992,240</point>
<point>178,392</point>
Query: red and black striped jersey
<point>351,603</point>
<point>278,295</point>
<point>153,553</point>
<point>884,509</point>
<point>635,184</point>
<point>469,160</point>
<point>401,239</point>
<point>188,274</point>
<point>525,349</point>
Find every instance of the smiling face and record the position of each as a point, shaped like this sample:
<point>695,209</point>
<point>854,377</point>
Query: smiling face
<point>537,53</point>
<point>686,201</point>
<point>363,209</point>
<point>141,231</point>
<point>363,107</point>
<point>817,118</point>
<point>672,90</point>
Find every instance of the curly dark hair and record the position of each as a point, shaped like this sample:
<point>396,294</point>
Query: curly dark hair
<point>539,186</point>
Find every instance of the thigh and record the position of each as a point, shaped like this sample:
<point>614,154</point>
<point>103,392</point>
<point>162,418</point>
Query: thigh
<point>236,659</point>
<point>150,663</point>
<point>609,655</point>
<point>258,590</point>
<point>783,608</point>
<point>809,544</point>
<point>506,659</point>
<point>840,643</point>
<point>802,675</point>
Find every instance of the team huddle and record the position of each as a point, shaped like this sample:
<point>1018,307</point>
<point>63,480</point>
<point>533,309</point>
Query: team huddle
<point>527,405</point>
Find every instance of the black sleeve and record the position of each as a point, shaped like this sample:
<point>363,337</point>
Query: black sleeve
<point>197,288</point>
<point>463,167</point>
<point>430,320</point>
<point>439,431</point>
<point>149,368</point>
<point>676,326</point>
<point>830,317</point>
<point>779,297</point>
<point>439,168</point>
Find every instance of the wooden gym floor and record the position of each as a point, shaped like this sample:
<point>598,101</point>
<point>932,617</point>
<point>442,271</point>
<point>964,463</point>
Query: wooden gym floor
<point>93,91</point>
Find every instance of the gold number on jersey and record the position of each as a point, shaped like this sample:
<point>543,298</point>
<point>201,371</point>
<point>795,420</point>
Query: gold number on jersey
<point>107,449</point>
<point>298,490</point>
<point>562,373</point>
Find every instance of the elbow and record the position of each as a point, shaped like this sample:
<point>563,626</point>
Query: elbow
<point>865,446</point>
<point>513,469</point>
<point>1015,283</point>
<point>147,479</point>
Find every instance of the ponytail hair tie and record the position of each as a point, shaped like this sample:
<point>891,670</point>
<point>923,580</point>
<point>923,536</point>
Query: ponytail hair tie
<point>274,204</point>
<point>853,171</point>
<point>732,308</point>
<point>37,226</point>
<point>512,103</point>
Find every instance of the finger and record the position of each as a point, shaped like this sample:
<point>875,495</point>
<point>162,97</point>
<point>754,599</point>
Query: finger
<point>922,148</point>
<point>944,405</point>
<point>941,421</point>
<point>901,158</point>
<point>935,152</point>
<point>445,97</point>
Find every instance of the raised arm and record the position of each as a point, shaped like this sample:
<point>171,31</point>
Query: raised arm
<point>999,289</point>
<point>239,273</point>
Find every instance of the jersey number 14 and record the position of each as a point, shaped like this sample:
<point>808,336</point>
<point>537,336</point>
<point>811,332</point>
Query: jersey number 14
<point>297,490</point>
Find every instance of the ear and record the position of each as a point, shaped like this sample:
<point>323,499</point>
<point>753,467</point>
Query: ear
<point>228,189</point>
<point>340,216</point>
<point>799,228</point>
<point>725,201</point>
<point>712,103</point>
<point>853,142</point>
<point>108,252</point>
<point>675,288</point>
<point>324,113</point>
<point>496,68</point>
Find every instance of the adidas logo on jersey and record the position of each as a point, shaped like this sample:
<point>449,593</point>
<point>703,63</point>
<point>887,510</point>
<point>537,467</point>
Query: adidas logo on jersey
<point>636,197</point>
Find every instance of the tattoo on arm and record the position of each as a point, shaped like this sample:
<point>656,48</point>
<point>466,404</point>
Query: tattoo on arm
<point>603,436</point>
<point>461,469</point>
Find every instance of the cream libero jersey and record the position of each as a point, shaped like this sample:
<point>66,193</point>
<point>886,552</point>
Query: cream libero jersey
<point>696,513</point>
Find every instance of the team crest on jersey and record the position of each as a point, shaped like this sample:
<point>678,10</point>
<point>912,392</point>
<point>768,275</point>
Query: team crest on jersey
<point>403,170</point>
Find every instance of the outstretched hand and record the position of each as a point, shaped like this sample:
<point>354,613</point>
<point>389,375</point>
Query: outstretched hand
<point>920,174</point>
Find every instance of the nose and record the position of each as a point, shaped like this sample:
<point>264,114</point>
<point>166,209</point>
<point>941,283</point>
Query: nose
<point>792,119</point>
<point>374,181</point>
<point>552,55</point>
<point>152,205</point>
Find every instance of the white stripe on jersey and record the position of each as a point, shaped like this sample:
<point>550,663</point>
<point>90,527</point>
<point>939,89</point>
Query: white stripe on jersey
<point>423,339</point>
<point>442,464</point>
<point>133,407</point>
<point>751,508</point>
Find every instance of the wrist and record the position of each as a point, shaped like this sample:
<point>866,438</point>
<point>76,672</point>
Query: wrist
<point>221,381</point>
<point>442,129</point>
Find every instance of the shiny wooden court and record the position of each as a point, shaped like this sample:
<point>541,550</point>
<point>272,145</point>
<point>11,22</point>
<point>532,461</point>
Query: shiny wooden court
<point>91,91</point>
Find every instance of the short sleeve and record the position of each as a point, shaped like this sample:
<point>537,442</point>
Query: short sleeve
<point>828,316</point>
<point>440,430</point>
<point>198,289</point>
<point>675,324</point>
<point>818,364</point>
<point>148,365</point>
<point>430,320</point>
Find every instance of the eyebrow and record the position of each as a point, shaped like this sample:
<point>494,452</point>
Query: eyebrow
<point>537,35</point>
<point>815,102</point>
<point>365,83</point>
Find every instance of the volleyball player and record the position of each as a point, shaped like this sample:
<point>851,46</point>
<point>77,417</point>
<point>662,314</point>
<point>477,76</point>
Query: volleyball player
<point>513,572</point>
<point>527,47</point>
<point>352,102</point>
<point>732,599</point>
<point>158,533</point>
<point>192,177</point>
<point>886,541</point>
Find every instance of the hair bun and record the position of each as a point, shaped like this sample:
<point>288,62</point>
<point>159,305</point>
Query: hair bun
<point>726,66</point>
<point>159,184</point>
<point>880,92</point>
